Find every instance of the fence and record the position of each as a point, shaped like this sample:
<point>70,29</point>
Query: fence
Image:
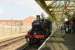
<point>9,30</point>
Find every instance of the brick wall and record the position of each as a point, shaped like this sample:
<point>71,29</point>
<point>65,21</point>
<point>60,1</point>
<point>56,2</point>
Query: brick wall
<point>15,26</point>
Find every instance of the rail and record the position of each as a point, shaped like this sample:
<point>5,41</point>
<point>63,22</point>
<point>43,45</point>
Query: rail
<point>13,43</point>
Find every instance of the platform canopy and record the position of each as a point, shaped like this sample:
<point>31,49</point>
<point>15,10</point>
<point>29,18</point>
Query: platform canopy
<point>58,8</point>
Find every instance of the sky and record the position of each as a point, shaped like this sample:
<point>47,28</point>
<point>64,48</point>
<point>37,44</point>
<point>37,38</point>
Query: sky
<point>19,9</point>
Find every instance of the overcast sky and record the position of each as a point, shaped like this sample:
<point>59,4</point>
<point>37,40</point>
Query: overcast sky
<point>18,9</point>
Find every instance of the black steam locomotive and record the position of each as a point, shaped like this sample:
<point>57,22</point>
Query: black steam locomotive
<point>41,29</point>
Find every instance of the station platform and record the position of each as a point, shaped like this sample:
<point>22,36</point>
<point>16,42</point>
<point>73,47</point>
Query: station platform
<point>66,43</point>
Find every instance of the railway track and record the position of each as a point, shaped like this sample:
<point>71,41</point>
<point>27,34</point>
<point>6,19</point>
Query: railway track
<point>13,44</point>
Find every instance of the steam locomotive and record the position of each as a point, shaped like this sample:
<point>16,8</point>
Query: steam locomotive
<point>41,29</point>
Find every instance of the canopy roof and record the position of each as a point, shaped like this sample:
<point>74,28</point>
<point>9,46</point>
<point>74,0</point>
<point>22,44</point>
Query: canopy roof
<point>58,7</point>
